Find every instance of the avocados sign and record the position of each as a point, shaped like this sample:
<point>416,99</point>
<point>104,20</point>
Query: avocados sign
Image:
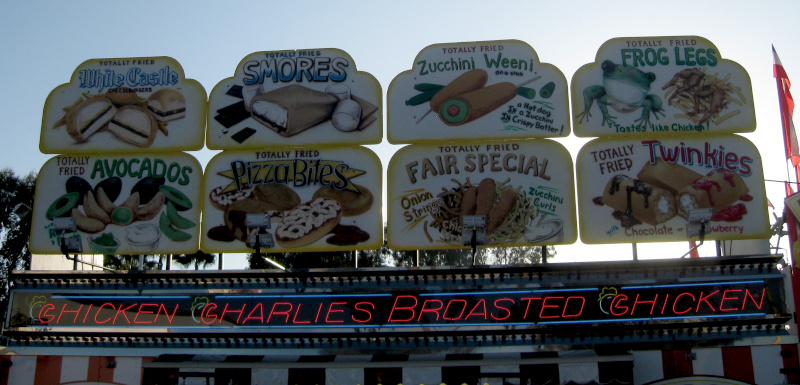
<point>117,204</point>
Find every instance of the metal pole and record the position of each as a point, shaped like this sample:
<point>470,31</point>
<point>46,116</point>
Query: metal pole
<point>219,267</point>
<point>635,252</point>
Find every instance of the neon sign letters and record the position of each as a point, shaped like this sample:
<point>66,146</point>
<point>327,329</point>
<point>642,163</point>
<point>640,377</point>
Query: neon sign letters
<point>582,305</point>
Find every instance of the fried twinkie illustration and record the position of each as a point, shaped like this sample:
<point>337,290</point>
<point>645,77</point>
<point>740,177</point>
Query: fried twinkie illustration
<point>292,109</point>
<point>500,210</point>
<point>468,81</point>
<point>718,190</point>
<point>635,201</point>
<point>669,176</point>
<point>472,105</point>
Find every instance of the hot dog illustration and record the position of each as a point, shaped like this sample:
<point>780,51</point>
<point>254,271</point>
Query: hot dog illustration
<point>466,82</point>
<point>472,105</point>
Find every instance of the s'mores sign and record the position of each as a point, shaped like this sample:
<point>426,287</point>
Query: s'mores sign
<point>655,190</point>
<point>675,85</point>
<point>129,104</point>
<point>295,98</point>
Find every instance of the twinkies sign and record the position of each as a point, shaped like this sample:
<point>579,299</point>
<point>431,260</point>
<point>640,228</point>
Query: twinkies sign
<point>654,190</point>
<point>667,86</point>
<point>303,97</point>
<point>129,104</point>
<point>467,309</point>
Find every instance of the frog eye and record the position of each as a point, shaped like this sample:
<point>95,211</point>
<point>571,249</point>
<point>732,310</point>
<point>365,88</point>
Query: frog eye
<point>608,66</point>
<point>651,77</point>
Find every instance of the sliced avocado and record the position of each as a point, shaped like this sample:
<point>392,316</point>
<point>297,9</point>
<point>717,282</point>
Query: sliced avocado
<point>454,111</point>
<point>172,233</point>
<point>147,188</point>
<point>181,201</point>
<point>176,219</point>
<point>79,185</point>
<point>111,186</point>
<point>63,205</point>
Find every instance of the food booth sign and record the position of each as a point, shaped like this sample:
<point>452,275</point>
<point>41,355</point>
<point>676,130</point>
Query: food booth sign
<point>523,190</point>
<point>306,97</point>
<point>117,204</point>
<point>128,104</point>
<point>293,199</point>
<point>676,85</point>
<point>518,308</point>
<point>657,190</point>
<point>477,90</point>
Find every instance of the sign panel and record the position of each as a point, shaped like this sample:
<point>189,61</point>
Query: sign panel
<point>676,85</point>
<point>309,199</point>
<point>117,204</point>
<point>656,190</point>
<point>524,189</point>
<point>129,104</point>
<point>525,308</point>
<point>477,90</point>
<point>303,97</point>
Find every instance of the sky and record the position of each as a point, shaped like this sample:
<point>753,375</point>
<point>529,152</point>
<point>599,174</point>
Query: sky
<point>42,42</point>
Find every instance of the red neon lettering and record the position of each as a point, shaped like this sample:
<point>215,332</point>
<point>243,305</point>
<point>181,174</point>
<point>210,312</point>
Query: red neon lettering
<point>664,307</point>
<point>615,305</point>
<point>163,308</point>
<point>319,310</point>
<point>358,306</point>
<point>64,310</point>
<point>260,317</point>
<point>206,313</point>
<point>726,298</point>
<point>123,311</point>
<point>44,311</point>
<point>226,311</point>
<point>431,310</point>
<point>705,299</point>
<point>760,302</point>
<point>546,306</point>
<point>294,319</point>
<point>285,312</point>
<point>566,306</point>
<point>463,309</point>
<point>507,310</point>
<point>331,310</point>
<point>528,306</point>
<point>482,304</point>
<point>652,304</point>
<point>678,298</point>
<point>99,309</point>
<point>87,313</point>
<point>409,308</point>
<point>142,311</point>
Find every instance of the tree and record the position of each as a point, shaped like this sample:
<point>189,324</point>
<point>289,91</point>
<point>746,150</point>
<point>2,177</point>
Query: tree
<point>129,262</point>
<point>15,229</point>
<point>199,260</point>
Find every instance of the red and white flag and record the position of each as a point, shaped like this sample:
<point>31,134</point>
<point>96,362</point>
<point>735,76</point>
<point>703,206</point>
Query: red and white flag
<point>787,110</point>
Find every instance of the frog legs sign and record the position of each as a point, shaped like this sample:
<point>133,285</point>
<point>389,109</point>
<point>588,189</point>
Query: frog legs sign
<point>661,85</point>
<point>524,189</point>
<point>477,90</point>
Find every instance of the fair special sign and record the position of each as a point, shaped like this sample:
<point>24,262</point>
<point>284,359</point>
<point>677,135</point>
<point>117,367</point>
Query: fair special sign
<point>660,190</point>
<point>666,86</point>
<point>523,190</point>
<point>477,90</point>
<point>301,199</point>
<point>125,104</point>
<point>118,204</point>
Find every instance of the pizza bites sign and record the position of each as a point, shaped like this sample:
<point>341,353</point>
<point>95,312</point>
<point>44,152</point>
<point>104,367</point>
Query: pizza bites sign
<point>310,199</point>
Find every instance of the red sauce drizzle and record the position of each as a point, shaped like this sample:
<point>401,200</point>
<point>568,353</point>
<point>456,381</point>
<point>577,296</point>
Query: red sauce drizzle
<point>705,184</point>
<point>731,213</point>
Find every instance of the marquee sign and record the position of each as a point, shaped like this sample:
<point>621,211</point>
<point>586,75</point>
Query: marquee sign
<point>520,308</point>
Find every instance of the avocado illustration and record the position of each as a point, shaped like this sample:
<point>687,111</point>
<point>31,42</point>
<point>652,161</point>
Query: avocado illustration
<point>181,201</point>
<point>147,188</point>
<point>172,233</point>
<point>78,185</point>
<point>111,186</point>
<point>176,219</point>
<point>62,206</point>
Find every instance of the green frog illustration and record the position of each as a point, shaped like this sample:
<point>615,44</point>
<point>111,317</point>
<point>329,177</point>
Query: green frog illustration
<point>625,89</point>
